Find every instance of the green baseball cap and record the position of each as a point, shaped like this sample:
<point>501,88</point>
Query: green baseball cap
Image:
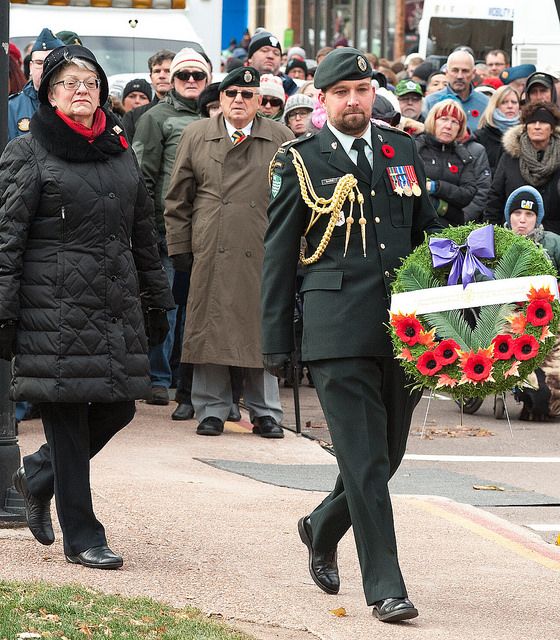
<point>408,86</point>
<point>344,63</point>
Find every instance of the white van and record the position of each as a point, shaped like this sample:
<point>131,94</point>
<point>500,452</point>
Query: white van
<point>122,39</point>
<point>528,31</point>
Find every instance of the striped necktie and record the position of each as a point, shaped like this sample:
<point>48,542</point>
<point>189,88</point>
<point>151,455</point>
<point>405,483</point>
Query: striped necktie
<point>237,137</point>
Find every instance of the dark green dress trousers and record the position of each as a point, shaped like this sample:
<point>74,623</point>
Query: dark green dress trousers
<point>368,411</point>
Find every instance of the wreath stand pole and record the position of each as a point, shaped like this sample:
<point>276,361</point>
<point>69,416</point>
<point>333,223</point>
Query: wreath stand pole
<point>507,414</point>
<point>426,414</point>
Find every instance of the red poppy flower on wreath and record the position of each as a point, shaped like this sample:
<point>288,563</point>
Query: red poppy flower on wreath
<point>476,366</point>
<point>428,364</point>
<point>453,168</point>
<point>387,151</point>
<point>539,313</point>
<point>543,293</point>
<point>407,328</point>
<point>503,347</point>
<point>525,347</point>
<point>475,113</point>
<point>446,351</point>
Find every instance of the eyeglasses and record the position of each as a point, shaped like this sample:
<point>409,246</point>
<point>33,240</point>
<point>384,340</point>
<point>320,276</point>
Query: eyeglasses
<point>300,113</point>
<point>72,84</point>
<point>232,93</point>
<point>273,102</point>
<point>197,76</point>
<point>449,120</point>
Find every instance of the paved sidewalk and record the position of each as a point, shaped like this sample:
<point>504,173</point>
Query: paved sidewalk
<point>195,534</point>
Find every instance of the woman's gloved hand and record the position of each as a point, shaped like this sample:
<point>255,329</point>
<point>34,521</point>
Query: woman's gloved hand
<point>7,339</point>
<point>157,326</point>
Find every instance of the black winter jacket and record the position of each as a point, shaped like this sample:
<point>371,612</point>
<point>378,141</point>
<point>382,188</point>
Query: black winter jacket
<point>491,139</point>
<point>508,178</point>
<point>78,249</point>
<point>453,168</point>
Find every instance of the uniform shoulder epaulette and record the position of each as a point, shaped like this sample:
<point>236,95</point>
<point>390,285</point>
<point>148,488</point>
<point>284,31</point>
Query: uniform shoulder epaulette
<point>14,95</point>
<point>304,138</point>
<point>381,124</point>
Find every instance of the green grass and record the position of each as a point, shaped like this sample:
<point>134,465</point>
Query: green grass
<point>39,610</point>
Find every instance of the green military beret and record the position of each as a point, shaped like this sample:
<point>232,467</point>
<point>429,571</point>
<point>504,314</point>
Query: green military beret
<point>241,77</point>
<point>344,63</point>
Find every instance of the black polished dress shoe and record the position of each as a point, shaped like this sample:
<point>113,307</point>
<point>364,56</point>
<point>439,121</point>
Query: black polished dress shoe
<point>37,512</point>
<point>394,610</point>
<point>322,566</point>
<point>184,411</point>
<point>210,427</point>
<point>97,558</point>
<point>267,427</point>
<point>234,413</point>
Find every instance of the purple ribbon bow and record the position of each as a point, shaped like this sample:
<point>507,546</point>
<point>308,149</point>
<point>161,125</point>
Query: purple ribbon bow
<point>479,244</point>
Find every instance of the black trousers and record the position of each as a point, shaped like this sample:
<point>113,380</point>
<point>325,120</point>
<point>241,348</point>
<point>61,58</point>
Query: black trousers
<point>75,432</point>
<point>368,411</point>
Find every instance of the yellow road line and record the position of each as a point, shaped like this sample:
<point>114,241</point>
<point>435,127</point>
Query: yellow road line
<point>511,541</point>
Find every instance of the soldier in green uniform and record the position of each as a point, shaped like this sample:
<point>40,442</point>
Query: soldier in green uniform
<point>356,191</point>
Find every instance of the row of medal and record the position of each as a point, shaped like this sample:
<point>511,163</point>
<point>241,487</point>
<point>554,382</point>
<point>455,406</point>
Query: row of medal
<point>404,181</point>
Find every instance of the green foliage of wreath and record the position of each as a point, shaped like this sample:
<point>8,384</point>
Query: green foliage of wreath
<point>515,256</point>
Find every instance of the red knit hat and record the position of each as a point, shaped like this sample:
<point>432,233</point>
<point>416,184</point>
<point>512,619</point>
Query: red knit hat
<point>15,53</point>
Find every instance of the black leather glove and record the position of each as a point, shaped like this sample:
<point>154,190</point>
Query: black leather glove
<point>276,363</point>
<point>157,326</point>
<point>7,339</point>
<point>182,262</point>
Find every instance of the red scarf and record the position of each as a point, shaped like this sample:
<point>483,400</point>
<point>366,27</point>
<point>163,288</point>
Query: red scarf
<point>99,123</point>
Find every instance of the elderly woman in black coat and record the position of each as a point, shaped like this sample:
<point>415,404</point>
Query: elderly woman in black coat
<point>78,254</point>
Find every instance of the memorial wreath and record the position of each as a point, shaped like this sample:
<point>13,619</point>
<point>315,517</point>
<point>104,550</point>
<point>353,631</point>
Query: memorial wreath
<point>485,335</point>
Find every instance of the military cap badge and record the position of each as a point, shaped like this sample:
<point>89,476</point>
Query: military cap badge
<point>362,64</point>
<point>247,76</point>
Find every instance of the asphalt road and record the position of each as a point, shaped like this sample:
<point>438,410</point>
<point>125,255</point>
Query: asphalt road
<point>514,467</point>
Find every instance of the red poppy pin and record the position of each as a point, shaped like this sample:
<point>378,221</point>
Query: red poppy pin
<point>453,168</point>
<point>475,113</point>
<point>124,143</point>
<point>387,150</point>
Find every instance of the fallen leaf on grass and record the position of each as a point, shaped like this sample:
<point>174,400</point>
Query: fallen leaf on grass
<point>339,613</point>
<point>487,487</point>
<point>27,635</point>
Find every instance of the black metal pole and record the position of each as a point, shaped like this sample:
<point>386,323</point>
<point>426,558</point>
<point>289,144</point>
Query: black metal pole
<point>11,505</point>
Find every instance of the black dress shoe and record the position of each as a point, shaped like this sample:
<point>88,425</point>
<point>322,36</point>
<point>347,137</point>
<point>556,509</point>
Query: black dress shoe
<point>160,396</point>
<point>210,427</point>
<point>184,411</point>
<point>322,566</point>
<point>234,413</point>
<point>394,610</point>
<point>37,512</point>
<point>267,427</point>
<point>97,558</point>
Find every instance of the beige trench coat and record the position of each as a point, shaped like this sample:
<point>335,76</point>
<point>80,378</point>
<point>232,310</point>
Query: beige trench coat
<point>216,207</point>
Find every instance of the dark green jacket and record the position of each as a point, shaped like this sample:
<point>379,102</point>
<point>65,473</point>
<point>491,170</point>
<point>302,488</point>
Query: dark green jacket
<point>155,144</point>
<point>346,299</point>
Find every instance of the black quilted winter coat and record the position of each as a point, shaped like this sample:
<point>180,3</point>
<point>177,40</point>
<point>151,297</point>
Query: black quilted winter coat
<point>77,250</point>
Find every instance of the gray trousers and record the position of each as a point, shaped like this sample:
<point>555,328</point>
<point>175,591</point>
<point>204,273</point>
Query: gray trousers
<point>211,392</point>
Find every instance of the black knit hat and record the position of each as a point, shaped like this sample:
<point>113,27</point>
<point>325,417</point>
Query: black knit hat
<point>138,84</point>
<point>296,63</point>
<point>209,94</point>
<point>58,58</point>
<point>263,39</point>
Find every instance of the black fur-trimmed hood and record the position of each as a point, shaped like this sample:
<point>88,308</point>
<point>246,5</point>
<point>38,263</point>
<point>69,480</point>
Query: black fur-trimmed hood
<point>52,133</point>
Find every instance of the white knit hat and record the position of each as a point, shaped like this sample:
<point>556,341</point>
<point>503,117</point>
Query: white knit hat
<point>272,86</point>
<point>189,58</point>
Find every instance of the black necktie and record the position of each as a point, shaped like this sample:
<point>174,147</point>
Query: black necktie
<point>363,163</point>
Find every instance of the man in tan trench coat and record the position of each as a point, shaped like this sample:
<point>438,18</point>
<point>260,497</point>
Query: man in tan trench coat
<point>215,218</point>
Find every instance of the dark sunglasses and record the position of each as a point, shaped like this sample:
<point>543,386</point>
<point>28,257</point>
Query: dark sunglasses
<point>232,93</point>
<point>273,102</point>
<point>197,76</point>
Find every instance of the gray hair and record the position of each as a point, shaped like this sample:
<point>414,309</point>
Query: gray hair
<point>70,60</point>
